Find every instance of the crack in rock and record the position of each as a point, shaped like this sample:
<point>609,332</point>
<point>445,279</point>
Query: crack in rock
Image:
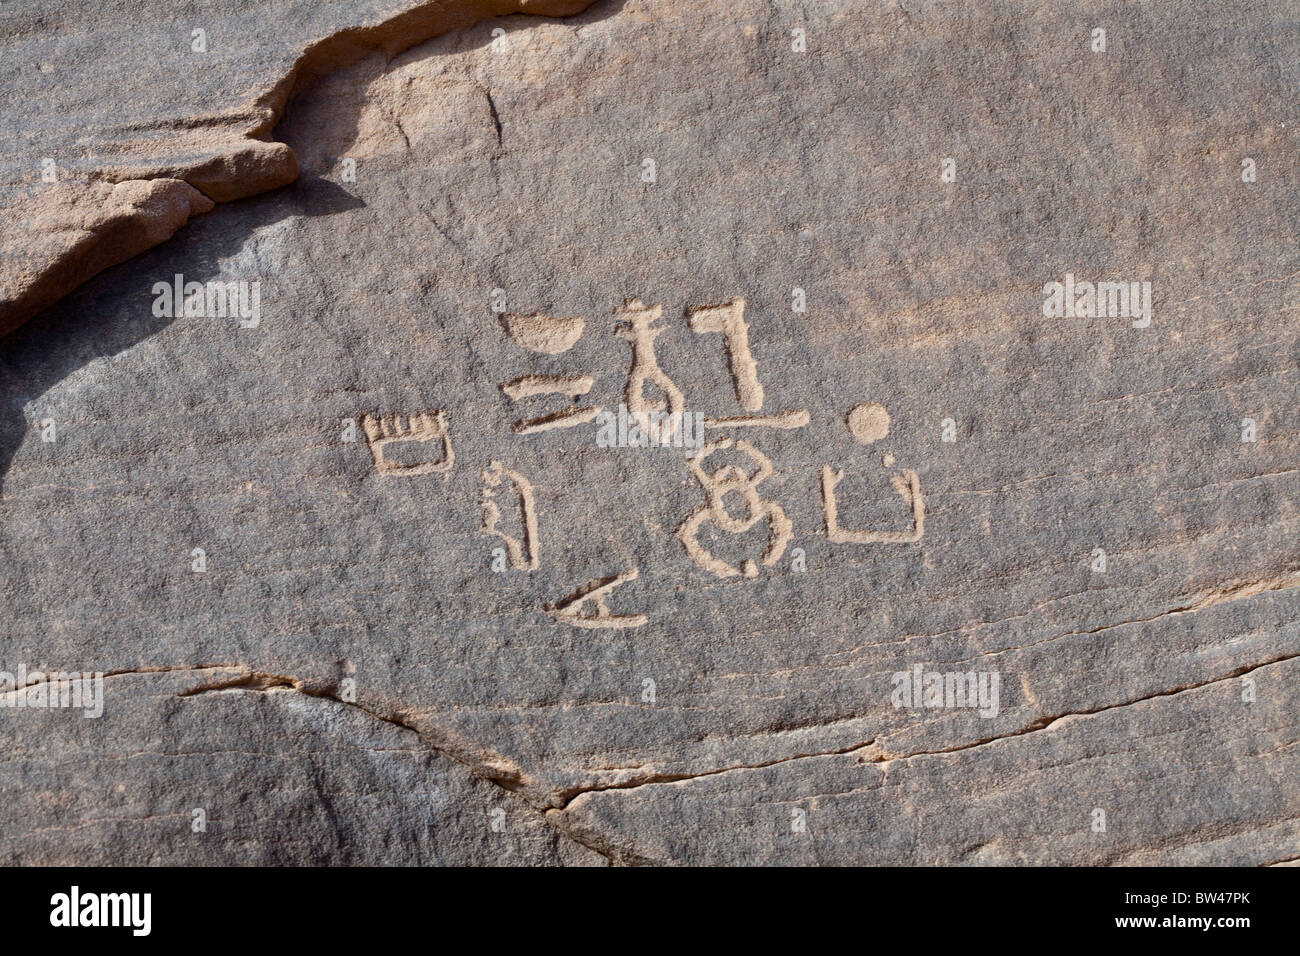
<point>61,238</point>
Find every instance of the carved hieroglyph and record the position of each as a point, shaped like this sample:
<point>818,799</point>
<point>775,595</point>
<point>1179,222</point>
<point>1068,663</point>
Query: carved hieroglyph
<point>868,422</point>
<point>523,553</point>
<point>547,334</point>
<point>571,610</point>
<point>907,485</point>
<point>781,420</point>
<point>531,386</point>
<point>419,428</point>
<point>729,319</point>
<point>729,479</point>
<point>638,328</point>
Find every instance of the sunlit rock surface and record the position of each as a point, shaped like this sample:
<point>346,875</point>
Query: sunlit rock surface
<point>371,581</point>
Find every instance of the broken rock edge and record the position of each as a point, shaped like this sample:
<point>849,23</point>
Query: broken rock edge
<point>256,163</point>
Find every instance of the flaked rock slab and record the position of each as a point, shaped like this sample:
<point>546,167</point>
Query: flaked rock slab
<point>110,103</point>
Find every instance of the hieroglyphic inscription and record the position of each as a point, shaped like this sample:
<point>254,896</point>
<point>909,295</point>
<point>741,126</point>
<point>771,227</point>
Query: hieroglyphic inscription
<point>523,551</point>
<point>637,323</point>
<point>571,610</point>
<point>732,479</point>
<point>419,428</point>
<point>638,327</point>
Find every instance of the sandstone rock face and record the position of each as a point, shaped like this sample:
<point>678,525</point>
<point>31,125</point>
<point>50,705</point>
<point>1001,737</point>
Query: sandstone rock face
<point>979,562</point>
<point>109,102</point>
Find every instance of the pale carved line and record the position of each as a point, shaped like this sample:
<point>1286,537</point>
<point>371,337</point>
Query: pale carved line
<point>421,427</point>
<point>907,486</point>
<point>569,611</point>
<point>523,554</point>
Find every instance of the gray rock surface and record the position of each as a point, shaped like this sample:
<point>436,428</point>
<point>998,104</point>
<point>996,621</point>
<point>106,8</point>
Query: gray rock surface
<point>246,769</point>
<point>382,688</point>
<point>123,119</point>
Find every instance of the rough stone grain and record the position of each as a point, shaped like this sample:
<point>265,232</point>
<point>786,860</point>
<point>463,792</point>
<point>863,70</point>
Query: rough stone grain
<point>123,97</point>
<point>509,178</point>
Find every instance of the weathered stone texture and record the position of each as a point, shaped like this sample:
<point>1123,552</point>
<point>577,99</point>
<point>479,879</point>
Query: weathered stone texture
<point>519,167</point>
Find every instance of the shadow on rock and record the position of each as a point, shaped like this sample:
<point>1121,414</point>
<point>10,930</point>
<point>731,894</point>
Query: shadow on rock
<point>114,311</point>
